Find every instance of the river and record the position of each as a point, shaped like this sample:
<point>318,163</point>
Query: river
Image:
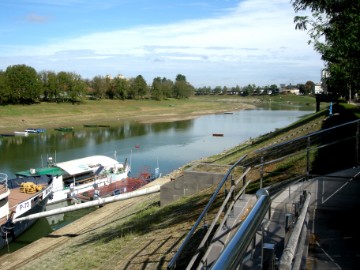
<point>169,145</point>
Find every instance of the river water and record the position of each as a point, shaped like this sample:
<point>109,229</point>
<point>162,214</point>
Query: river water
<point>167,145</point>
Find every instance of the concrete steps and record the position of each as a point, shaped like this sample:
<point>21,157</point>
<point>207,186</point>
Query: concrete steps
<point>224,233</point>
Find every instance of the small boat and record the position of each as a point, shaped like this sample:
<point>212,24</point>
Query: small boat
<point>94,125</point>
<point>79,175</point>
<point>21,133</point>
<point>128,184</point>
<point>228,112</point>
<point>65,129</point>
<point>35,130</point>
<point>20,197</point>
<point>7,135</point>
<point>218,134</point>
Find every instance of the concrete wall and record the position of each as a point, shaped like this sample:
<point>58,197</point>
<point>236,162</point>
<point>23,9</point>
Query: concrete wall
<point>187,184</point>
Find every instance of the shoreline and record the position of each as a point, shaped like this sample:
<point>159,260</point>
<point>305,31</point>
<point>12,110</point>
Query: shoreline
<point>9,124</point>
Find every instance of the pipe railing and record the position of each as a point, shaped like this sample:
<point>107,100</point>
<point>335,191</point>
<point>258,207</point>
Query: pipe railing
<point>233,254</point>
<point>98,202</point>
<point>172,263</point>
<point>218,215</point>
<point>289,252</point>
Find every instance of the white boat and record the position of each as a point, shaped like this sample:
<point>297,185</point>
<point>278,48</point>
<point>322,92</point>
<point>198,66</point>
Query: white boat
<point>35,130</point>
<point>80,175</point>
<point>21,133</point>
<point>21,197</point>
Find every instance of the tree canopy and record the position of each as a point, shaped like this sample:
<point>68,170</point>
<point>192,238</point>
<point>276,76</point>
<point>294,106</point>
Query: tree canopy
<point>334,30</point>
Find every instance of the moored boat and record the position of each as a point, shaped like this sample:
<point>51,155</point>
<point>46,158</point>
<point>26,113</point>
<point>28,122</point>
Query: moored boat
<point>80,175</point>
<point>21,133</point>
<point>128,184</point>
<point>65,129</point>
<point>20,197</point>
<point>95,125</point>
<point>7,134</point>
<point>35,130</point>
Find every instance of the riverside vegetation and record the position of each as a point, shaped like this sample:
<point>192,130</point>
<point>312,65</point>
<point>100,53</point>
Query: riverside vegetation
<point>139,233</point>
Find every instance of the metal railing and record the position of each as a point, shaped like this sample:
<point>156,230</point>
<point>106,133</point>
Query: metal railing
<point>234,252</point>
<point>311,149</point>
<point>173,261</point>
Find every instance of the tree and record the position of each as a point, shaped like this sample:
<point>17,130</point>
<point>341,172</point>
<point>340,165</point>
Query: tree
<point>249,89</point>
<point>24,84</point>
<point>182,89</point>
<point>156,89</point>
<point>99,86</point>
<point>71,86</point>
<point>49,85</point>
<point>76,88</point>
<point>167,87</point>
<point>218,90</point>
<point>334,32</point>
<point>119,88</point>
<point>4,89</point>
<point>138,88</point>
<point>309,88</point>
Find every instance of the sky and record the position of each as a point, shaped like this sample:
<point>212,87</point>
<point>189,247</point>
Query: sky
<point>211,42</point>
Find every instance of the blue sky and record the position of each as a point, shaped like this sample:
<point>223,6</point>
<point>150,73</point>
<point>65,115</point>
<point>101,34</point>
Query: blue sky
<point>212,42</point>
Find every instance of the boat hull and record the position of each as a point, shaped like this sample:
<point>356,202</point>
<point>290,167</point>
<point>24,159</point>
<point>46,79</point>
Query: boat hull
<point>19,227</point>
<point>21,197</point>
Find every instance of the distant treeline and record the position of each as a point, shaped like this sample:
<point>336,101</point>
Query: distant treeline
<point>21,84</point>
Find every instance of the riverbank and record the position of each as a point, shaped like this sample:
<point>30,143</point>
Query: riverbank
<point>110,112</point>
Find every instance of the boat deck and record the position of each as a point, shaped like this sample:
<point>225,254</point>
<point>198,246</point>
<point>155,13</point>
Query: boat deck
<point>16,197</point>
<point>124,186</point>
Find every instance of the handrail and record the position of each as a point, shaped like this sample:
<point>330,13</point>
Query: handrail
<point>212,226</point>
<point>172,263</point>
<point>234,252</point>
<point>286,259</point>
<point>306,136</point>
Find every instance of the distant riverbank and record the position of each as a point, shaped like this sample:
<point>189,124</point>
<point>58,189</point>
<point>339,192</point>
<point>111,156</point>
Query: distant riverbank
<point>51,115</point>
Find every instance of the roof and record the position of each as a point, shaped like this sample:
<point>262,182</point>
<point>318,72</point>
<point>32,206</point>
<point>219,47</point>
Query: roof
<point>40,171</point>
<point>87,164</point>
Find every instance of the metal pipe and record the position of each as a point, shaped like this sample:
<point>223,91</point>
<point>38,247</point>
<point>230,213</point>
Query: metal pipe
<point>290,249</point>
<point>97,202</point>
<point>172,263</point>
<point>233,254</point>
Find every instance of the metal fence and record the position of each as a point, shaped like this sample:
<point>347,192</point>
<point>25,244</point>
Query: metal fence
<point>275,167</point>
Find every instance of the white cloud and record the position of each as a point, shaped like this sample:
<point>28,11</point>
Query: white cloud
<point>255,34</point>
